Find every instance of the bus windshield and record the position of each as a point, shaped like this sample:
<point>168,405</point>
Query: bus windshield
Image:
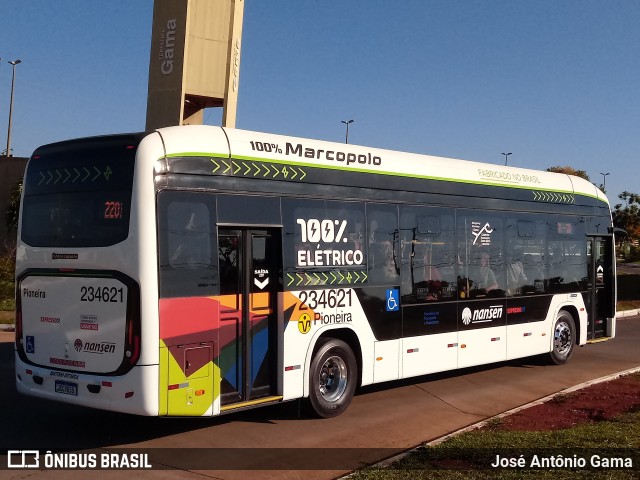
<point>78,194</point>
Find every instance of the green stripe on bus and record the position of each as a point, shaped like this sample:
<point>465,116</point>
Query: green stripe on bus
<point>391,174</point>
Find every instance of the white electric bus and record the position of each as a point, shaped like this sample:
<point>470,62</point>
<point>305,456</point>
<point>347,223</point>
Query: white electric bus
<point>198,270</point>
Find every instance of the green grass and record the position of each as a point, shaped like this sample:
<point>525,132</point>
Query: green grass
<point>623,305</point>
<point>469,455</point>
<point>7,269</point>
<point>7,317</point>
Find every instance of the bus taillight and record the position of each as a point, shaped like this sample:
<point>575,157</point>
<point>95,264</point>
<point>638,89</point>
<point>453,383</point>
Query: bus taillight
<point>18,327</point>
<point>133,343</point>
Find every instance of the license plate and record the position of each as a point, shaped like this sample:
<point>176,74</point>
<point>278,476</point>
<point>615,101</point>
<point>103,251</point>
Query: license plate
<point>67,388</point>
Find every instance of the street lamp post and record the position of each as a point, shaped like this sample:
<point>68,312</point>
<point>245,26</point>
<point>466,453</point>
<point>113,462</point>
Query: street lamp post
<point>604,180</point>
<point>347,122</point>
<point>13,63</point>
<point>506,156</point>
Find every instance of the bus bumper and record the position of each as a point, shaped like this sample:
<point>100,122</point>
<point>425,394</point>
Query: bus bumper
<point>135,393</point>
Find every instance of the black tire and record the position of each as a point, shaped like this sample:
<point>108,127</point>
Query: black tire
<point>564,338</point>
<point>333,378</point>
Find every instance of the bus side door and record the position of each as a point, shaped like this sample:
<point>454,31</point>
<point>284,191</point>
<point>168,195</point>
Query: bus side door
<point>249,263</point>
<point>601,282</point>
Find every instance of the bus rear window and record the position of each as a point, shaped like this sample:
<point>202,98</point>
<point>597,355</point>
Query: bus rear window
<point>78,193</point>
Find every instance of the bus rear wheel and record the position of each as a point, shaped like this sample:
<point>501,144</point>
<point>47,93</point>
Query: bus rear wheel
<point>334,373</point>
<point>564,338</point>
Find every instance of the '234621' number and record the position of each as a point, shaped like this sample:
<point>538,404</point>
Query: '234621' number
<point>101,294</point>
<point>325,299</point>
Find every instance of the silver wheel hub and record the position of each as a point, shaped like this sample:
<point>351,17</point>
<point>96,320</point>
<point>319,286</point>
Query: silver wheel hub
<point>562,340</point>
<point>333,379</point>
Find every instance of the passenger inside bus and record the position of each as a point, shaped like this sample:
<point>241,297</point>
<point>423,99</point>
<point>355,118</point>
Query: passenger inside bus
<point>534,271</point>
<point>516,278</point>
<point>382,263</point>
<point>485,279</point>
<point>429,278</point>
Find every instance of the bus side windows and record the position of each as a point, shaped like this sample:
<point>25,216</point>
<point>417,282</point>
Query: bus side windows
<point>428,255</point>
<point>566,254</point>
<point>324,242</point>
<point>481,257</point>
<point>187,265</point>
<point>382,244</point>
<point>189,238</point>
<point>228,263</point>
<point>535,271</point>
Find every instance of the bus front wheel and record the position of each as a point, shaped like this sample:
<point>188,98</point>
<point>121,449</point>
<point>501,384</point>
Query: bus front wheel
<point>333,377</point>
<point>564,338</point>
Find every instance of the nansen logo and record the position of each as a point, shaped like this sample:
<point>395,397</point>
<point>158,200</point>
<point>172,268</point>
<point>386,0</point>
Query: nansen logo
<point>94,347</point>
<point>102,347</point>
<point>481,315</point>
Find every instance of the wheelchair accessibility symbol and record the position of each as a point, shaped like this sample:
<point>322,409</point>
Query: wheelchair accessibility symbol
<point>393,300</point>
<point>31,344</point>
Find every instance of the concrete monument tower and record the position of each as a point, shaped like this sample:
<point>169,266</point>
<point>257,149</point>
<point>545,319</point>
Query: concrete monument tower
<point>195,61</point>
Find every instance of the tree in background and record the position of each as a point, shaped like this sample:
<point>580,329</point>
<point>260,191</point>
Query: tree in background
<point>628,219</point>
<point>13,207</point>
<point>8,260</point>
<point>569,171</point>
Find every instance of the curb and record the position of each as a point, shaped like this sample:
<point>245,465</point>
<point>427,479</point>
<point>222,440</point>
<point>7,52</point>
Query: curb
<point>628,313</point>
<point>482,423</point>
<point>580,386</point>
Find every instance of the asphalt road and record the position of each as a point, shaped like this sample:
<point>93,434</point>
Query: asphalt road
<point>277,442</point>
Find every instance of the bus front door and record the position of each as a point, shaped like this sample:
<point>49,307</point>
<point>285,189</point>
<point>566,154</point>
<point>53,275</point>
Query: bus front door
<point>601,285</point>
<point>250,265</point>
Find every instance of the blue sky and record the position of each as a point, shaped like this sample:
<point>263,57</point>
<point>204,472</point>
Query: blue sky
<point>555,82</point>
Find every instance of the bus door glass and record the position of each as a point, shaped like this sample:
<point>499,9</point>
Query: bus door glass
<point>249,262</point>
<point>601,284</point>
